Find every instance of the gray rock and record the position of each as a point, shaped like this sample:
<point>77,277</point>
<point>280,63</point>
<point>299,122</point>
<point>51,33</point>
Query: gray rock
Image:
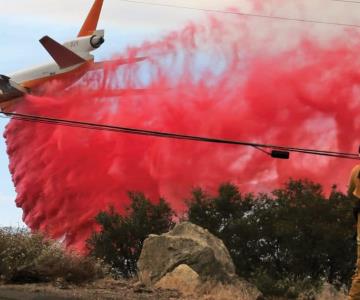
<point>183,278</point>
<point>186,244</point>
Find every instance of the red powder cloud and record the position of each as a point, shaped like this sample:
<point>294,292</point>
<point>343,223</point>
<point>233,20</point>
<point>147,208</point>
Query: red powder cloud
<point>212,80</point>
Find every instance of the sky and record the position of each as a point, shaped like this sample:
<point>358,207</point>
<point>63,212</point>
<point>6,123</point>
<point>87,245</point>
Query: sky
<point>24,22</point>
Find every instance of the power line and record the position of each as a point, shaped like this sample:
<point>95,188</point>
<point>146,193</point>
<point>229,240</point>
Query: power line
<point>160,134</point>
<point>346,1</point>
<point>244,14</point>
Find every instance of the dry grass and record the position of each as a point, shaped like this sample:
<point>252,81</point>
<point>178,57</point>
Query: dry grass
<point>328,292</point>
<point>27,258</point>
<point>238,291</point>
<point>242,290</point>
<point>195,289</point>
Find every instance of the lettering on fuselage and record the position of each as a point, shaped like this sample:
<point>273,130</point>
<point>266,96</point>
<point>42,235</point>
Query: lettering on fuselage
<point>74,44</point>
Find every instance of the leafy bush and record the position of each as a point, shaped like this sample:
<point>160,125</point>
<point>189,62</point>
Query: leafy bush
<point>294,237</point>
<point>120,238</point>
<point>29,258</point>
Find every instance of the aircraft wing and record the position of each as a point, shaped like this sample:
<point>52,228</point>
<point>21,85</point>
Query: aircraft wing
<point>121,92</point>
<point>117,62</point>
<point>63,56</point>
<point>118,93</point>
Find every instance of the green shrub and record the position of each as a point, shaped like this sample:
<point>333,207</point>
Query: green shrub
<point>30,258</point>
<point>285,241</point>
<point>120,238</point>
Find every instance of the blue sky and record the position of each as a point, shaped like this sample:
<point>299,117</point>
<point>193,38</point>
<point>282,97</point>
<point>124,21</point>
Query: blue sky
<point>24,22</point>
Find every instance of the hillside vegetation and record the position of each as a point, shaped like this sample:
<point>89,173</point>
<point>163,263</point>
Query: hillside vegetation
<point>30,258</point>
<point>289,243</point>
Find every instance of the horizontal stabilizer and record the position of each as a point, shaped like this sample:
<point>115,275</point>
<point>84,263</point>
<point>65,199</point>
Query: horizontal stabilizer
<point>63,56</point>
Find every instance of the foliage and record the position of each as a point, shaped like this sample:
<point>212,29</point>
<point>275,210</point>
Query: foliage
<point>120,238</point>
<point>293,237</point>
<point>30,258</point>
<point>288,242</point>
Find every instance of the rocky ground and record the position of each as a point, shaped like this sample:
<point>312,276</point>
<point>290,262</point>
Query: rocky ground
<point>124,290</point>
<point>103,289</point>
<point>132,290</point>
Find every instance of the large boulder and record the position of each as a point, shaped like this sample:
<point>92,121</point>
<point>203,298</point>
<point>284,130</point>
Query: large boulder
<point>186,281</point>
<point>187,244</point>
<point>183,279</point>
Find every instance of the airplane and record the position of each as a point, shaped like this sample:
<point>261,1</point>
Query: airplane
<point>72,58</point>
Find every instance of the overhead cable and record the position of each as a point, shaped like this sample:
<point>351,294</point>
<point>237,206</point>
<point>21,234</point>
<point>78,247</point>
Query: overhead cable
<point>161,134</point>
<point>252,15</point>
<point>346,1</point>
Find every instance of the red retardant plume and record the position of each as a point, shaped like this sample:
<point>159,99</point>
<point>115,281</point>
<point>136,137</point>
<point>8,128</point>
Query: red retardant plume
<point>220,80</point>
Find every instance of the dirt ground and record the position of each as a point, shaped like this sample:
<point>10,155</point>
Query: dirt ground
<point>104,289</point>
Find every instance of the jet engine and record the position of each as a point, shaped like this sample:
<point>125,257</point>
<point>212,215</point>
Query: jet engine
<point>96,41</point>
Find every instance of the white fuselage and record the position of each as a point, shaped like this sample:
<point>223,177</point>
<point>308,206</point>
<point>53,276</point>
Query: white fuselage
<point>40,72</point>
<point>81,46</point>
<point>71,61</point>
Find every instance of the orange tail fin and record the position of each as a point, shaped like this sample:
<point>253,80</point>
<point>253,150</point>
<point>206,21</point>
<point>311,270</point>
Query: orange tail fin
<point>92,19</point>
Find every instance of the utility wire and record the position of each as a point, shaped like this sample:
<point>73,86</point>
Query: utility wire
<point>160,134</point>
<point>346,1</point>
<point>244,14</point>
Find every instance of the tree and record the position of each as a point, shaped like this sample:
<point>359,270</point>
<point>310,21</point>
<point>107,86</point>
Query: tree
<point>228,216</point>
<point>294,236</point>
<point>120,238</point>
